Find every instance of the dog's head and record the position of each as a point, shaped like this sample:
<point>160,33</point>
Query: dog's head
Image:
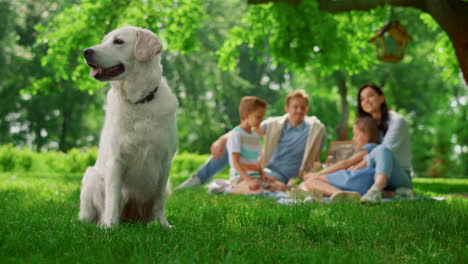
<point>120,51</point>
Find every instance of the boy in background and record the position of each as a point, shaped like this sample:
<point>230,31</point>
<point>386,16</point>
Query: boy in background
<point>244,151</point>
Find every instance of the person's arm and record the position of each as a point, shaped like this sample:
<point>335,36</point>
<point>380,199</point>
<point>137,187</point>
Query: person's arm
<point>265,177</point>
<point>360,165</point>
<point>260,130</point>
<point>218,147</point>
<point>341,165</point>
<point>396,133</point>
<point>253,184</point>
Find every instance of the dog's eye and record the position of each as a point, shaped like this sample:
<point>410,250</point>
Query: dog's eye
<point>118,41</point>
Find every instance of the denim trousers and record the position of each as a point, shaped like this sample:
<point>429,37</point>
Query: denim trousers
<point>212,166</point>
<point>384,161</point>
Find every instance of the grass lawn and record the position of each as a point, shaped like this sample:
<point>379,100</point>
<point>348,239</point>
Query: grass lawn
<point>38,224</point>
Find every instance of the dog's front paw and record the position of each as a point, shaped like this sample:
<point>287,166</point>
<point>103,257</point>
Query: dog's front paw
<point>167,225</point>
<point>108,223</point>
<point>163,221</point>
<point>159,223</point>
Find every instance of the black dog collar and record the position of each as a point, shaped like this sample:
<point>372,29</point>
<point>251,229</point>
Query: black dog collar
<point>149,97</point>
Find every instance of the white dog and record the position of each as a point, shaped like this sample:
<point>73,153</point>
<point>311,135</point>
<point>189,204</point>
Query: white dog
<point>139,137</point>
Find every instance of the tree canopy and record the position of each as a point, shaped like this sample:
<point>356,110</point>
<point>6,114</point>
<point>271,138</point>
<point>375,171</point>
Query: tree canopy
<point>218,51</point>
<point>450,16</point>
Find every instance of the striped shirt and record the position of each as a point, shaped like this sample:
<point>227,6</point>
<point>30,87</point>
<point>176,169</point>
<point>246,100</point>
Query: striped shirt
<point>248,145</point>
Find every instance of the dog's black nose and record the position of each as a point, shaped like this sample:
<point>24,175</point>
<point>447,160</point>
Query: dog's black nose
<point>88,53</point>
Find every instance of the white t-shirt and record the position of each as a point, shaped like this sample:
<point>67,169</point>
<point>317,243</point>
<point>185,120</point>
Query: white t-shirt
<point>248,145</point>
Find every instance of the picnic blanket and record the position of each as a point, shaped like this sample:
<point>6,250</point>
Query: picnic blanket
<point>287,199</point>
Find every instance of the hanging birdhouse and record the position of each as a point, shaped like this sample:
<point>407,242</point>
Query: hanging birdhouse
<point>390,42</point>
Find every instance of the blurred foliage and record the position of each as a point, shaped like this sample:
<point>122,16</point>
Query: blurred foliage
<point>215,53</point>
<point>14,159</point>
<point>302,36</point>
<point>24,160</point>
<point>39,118</point>
<point>84,24</point>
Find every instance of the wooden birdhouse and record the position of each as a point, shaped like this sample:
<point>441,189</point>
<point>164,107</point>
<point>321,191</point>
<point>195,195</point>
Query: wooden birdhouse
<point>390,42</point>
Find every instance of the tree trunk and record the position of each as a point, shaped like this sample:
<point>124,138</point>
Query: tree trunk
<point>64,130</point>
<point>342,129</point>
<point>66,112</point>
<point>452,16</point>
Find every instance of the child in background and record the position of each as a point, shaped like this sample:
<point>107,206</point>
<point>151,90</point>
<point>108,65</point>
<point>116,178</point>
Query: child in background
<point>350,178</point>
<point>244,150</point>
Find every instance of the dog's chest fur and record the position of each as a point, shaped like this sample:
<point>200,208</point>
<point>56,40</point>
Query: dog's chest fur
<point>142,136</point>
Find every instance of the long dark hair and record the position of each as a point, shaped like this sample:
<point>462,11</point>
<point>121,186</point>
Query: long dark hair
<point>383,125</point>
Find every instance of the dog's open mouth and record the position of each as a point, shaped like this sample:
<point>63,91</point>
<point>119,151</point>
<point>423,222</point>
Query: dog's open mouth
<point>106,73</point>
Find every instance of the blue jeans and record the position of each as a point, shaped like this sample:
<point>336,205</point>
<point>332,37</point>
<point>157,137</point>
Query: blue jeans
<point>384,161</point>
<point>212,166</point>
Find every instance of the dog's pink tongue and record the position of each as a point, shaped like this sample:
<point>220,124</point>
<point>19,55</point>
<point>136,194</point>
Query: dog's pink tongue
<point>95,72</point>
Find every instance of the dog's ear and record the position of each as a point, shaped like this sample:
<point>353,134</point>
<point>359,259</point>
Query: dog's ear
<point>147,45</point>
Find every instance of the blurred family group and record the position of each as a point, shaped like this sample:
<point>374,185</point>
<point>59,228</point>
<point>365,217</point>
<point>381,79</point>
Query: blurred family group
<point>292,146</point>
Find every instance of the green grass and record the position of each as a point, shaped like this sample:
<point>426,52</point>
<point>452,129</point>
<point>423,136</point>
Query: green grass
<point>38,224</point>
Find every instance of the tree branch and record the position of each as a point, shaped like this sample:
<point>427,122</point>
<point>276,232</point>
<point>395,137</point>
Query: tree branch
<point>348,5</point>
